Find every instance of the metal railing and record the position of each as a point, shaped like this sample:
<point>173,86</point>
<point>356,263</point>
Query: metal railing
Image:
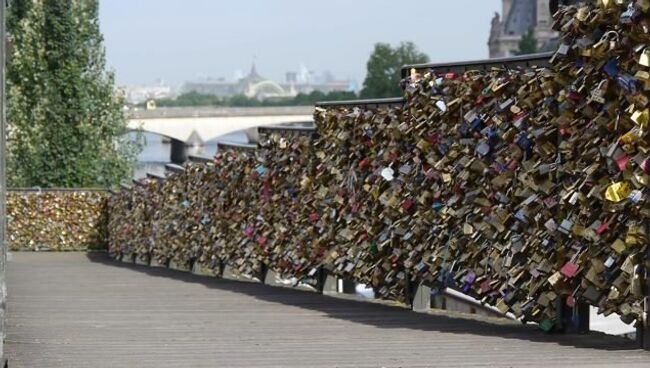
<point>55,190</point>
<point>286,129</point>
<point>200,159</point>
<point>236,146</point>
<point>526,61</point>
<point>418,297</point>
<point>368,103</point>
<point>175,169</point>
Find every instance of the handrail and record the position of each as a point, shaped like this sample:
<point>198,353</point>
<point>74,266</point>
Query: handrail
<point>176,169</point>
<point>236,146</point>
<point>155,176</point>
<point>539,59</point>
<point>363,102</point>
<point>54,190</point>
<point>139,182</point>
<point>200,159</point>
<point>282,129</point>
<point>214,112</point>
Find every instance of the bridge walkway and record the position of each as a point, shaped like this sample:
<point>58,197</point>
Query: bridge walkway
<point>76,310</point>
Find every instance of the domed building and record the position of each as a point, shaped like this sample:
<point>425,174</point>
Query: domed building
<point>257,87</point>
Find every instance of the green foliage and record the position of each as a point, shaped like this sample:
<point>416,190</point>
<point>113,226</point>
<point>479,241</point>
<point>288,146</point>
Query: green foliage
<point>528,43</point>
<point>384,69</point>
<point>244,101</point>
<point>17,11</point>
<point>190,99</point>
<point>66,126</point>
<point>194,99</point>
<point>312,98</point>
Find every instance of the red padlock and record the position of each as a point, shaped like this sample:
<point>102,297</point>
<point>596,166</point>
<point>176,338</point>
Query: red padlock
<point>364,164</point>
<point>313,217</point>
<point>569,270</point>
<point>571,301</point>
<point>622,163</point>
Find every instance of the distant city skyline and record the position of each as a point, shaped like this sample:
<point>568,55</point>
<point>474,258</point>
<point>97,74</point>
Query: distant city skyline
<point>151,40</point>
<point>252,85</point>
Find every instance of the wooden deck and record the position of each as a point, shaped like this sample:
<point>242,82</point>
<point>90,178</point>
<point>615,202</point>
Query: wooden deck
<point>73,310</point>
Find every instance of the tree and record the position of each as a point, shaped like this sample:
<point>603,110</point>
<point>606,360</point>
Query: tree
<point>66,125</point>
<point>384,66</point>
<point>243,101</point>
<point>17,11</point>
<point>195,99</point>
<point>528,43</point>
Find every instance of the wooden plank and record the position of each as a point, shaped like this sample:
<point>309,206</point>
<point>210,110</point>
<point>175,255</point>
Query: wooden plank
<point>73,310</point>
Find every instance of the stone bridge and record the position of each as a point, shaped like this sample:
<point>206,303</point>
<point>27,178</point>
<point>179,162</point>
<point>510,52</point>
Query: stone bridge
<point>197,125</point>
<point>201,124</point>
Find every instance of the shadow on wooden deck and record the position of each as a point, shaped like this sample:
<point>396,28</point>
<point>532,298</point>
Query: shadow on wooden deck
<point>385,316</point>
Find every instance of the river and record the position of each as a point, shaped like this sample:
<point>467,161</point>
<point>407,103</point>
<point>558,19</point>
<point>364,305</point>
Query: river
<point>155,153</point>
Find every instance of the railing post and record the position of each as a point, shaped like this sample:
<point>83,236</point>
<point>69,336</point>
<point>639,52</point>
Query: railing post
<point>127,258</point>
<point>145,262</point>
<point>347,286</point>
<point>325,282</point>
<point>583,318</point>
<point>417,295</point>
<point>409,290</point>
<point>263,272</point>
<point>179,152</point>
<point>321,275</point>
<point>221,268</point>
<point>643,329</point>
<point>572,320</point>
<point>576,319</point>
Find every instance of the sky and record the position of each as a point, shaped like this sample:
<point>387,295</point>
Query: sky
<point>176,41</point>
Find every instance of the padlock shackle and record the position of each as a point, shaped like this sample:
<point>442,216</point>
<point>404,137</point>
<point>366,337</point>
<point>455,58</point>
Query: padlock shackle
<point>606,37</point>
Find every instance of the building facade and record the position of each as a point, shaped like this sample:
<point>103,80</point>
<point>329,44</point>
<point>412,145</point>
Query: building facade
<point>516,19</point>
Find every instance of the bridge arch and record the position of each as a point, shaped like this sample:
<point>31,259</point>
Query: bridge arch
<point>266,89</point>
<point>196,130</point>
<point>197,125</point>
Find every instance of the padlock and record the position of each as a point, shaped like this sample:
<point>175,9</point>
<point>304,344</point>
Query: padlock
<point>644,58</point>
